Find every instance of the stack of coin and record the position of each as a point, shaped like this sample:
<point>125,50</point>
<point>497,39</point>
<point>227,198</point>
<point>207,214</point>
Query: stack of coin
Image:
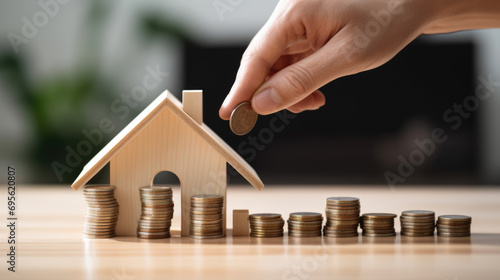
<point>342,214</point>
<point>417,223</point>
<point>453,225</point>
<point>157,210</point>
<point>305,224</point>
<point>378,224</point>
<point>206,216</point>
<point>266,225</point>
<point>102,211</point>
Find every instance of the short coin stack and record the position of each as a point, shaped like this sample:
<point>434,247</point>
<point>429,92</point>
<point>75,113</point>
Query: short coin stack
<point>157,210</point>
<point>378,224</point>
<point>206,216</point>
<point>305,224</point>
<point>454,225</point>
<point>417,223</point>
<point>102,211</point>
<point>342,214</point>
<point>266,225</point>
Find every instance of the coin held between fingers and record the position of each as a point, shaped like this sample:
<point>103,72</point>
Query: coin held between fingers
<point>243,119</point>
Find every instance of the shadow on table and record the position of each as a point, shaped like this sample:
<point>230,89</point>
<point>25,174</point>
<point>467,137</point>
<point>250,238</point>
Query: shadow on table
<point>489,239</point>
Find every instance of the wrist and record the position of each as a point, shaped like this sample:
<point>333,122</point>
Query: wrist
<point>455,15</point>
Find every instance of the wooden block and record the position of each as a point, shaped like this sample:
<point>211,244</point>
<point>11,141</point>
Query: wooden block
<point>241,225</point>
<point>192,104</point>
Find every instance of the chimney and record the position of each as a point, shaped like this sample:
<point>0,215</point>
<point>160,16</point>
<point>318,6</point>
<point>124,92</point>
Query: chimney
<point>192,104</point>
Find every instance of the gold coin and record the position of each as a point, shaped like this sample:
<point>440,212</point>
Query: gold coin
<point>266,229</point>
<point>418,223</point>
<point>371,216</point>
<point>404,233</point>
<point>266,235</point>
<point>98,188</point>
<point>418,213</point>
<point>243,119</point>
<point>379,234</point>
<point>418,228</point>
<point>454,230</point>
<point>156,189</point>
<point>388,230</point>
<point>417,219</point>
<point>342,199</point>
<point>454,234</point>
<point>295,234</point>
<point>389,221</point>
<point>305,223</point>
<point>206,217</point>
<point>265,216</point>
<point>340,235</point>
<point>453,226</point>
<point>206,222</point>
<point>207,203</point>
<point>205,212</point>
<point>153,235</point>
<point>454,218</point>
<point>206,236</point>
<point>207,197</point>
<point>305,216</point>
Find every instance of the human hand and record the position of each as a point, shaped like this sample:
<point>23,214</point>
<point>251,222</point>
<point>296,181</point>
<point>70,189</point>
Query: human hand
<point>308,43</point>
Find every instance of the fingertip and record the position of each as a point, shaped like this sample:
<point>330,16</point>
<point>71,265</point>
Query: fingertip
<point>223,114</point>
<point>224,111</point>
<point>319,98</point>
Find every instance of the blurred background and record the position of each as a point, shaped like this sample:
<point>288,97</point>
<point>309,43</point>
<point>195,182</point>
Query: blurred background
<point>67,65</point>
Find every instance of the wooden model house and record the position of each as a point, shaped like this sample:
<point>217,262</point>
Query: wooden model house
<point>167,136</point>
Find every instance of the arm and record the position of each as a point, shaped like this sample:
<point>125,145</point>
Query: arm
<point>457,15</point>
<point>307,43</point>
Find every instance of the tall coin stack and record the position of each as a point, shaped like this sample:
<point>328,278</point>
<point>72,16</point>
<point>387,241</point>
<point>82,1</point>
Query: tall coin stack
<point>454,225</point>
<point>266,225</point>
<point>417,223</point>
<point>157,211</point>
<point>305,224</point>
<point>102,211</point>
<point>378,224</point>
<point>342,214</point>
<point>206,216</point>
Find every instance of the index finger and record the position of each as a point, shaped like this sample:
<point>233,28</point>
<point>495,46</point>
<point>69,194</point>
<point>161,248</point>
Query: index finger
<point>262,52</point>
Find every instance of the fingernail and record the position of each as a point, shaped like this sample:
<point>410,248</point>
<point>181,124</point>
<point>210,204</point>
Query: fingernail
<point>267,101</point>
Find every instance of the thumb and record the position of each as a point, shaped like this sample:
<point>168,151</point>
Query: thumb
<point>296,82</point>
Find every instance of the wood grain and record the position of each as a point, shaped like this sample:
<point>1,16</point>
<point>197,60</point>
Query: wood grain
<point>192,104</point>
<point>51,246</point>
<point>241,225</point>
<point>165,137</point>
<point>230,155</point>
<point>166,144</point>
<point>143,119</point>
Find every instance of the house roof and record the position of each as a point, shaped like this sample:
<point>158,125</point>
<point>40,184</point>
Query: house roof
<point>165,100</point>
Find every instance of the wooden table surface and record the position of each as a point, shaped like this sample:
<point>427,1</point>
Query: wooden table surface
<point>51,219</point>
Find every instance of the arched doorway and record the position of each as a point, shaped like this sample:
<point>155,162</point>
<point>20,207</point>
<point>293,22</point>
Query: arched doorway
<point>167,178</point>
